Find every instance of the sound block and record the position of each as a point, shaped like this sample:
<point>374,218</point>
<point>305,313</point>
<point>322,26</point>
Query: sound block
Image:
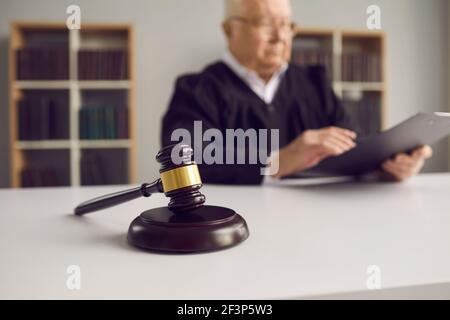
<point>207,228</point>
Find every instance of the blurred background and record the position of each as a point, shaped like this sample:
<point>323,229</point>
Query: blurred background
<point>84,107</point>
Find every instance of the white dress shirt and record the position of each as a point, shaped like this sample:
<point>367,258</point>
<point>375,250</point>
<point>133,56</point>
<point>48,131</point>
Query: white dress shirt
<point>266,91</point>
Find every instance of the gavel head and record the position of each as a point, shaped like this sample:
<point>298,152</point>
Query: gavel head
<point>180,178</point>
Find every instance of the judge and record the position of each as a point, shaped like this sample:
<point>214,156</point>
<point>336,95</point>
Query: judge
<point>255,86</point>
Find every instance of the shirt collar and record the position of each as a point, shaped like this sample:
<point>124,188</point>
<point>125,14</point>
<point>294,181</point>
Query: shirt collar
<point>247,74</point>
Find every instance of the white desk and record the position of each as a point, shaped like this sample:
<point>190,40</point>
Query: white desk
<point>304,242</point>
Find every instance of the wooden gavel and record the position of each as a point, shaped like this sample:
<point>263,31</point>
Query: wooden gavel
<point>186,224</point>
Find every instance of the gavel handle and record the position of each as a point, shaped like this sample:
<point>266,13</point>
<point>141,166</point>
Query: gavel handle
<point>109,200</point>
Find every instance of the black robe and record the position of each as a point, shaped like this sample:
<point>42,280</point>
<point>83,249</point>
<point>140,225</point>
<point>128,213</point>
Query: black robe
<point>220,99</point>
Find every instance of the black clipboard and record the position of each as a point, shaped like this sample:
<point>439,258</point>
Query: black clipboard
<point>371,151</point>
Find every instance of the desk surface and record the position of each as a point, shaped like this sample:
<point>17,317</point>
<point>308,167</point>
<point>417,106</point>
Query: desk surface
<point>304,242</point>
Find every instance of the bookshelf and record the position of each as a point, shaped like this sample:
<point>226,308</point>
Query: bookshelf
<point>72,104</point>
<point>355,63</point>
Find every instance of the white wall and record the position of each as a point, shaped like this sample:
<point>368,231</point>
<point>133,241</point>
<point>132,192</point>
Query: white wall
<point>177,36</point>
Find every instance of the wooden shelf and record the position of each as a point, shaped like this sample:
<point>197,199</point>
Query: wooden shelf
<point>100,144</point>
<point>361,86</point>
<point>67,84</point>
<point>93,36</point>
<point>67,144</point>
<point>43,144</point>
<point>44,85</point>
<point>104,84</point>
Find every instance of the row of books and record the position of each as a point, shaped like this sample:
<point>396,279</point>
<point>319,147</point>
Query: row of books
<point>98,167</point>
<point>361,67</point>
<point>39,177</point>
<point>313,57</point>
<point>366,113</point>
<point>49,63</point>
<point>102,168</point>
<point>42,119</point>
<point>92,170</point>
<point>102,64</point>
<point>103,122</point>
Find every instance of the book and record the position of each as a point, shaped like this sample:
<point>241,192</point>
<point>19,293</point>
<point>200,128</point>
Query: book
<point>361,67</point>
<point>103,122</point>
<point>308,56</point>
<point>39,176</point>
<point>111,64</point>
<point>365,113</point>
<point>46,63</point>
<point>92,169</point>
<point>42,118</point>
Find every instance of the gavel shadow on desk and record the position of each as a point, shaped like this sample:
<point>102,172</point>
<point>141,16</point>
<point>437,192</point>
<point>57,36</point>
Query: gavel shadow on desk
<point>186,225</point>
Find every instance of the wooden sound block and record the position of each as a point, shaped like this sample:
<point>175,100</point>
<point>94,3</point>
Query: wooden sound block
<point>207,228</point>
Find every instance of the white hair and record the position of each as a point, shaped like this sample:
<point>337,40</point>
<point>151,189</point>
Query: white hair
<point>236,7</point>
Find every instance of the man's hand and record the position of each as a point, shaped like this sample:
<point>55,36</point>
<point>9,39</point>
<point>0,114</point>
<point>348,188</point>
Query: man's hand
<point>311,147</point>
<point>404,166</point>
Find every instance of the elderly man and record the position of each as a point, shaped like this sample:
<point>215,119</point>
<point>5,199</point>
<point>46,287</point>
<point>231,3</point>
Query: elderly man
<point>255,86</point>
